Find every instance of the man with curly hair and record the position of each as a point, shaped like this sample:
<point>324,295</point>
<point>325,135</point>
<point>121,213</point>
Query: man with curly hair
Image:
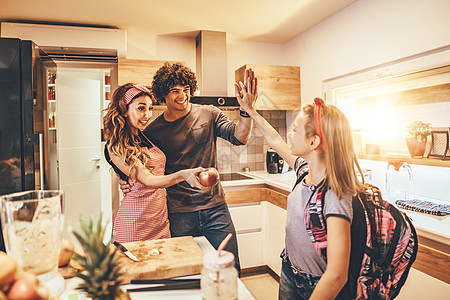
<point>187,133</point>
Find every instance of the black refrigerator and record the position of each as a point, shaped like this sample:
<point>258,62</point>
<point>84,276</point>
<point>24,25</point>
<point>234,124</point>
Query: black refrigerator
<point>25,75</point>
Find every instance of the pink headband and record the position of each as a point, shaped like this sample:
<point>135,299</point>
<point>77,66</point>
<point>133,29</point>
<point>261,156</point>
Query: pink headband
<point>136,89</point>
<point>318,122</point>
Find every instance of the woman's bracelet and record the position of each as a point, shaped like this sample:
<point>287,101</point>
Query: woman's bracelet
<point>243,114</point>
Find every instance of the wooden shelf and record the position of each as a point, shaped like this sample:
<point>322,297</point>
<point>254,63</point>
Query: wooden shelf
<point>435,162</point>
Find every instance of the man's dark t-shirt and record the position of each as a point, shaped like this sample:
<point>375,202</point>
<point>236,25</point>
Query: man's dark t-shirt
<point>190,142</point>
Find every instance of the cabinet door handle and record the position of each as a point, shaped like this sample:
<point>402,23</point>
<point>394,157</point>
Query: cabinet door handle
<point>96,159</point>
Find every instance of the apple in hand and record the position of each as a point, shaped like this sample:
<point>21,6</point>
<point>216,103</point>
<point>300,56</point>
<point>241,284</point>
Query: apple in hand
<point>209,177</point>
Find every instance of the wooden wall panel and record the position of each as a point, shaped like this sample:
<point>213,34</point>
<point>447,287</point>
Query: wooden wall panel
<point>275,198</point>
<point>256,195</point>
<point>433,262</point>
<point>418,96</point>
<point>243,196</point>
<point>278,86</point>
<point>138,70</point>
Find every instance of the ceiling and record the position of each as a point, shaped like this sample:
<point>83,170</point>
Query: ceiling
<point>245,20</point>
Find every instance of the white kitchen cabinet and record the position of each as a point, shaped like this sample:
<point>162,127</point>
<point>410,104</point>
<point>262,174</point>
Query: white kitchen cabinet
<point>251,247</point>
<point>247,217</point>
<point>248,222</point>
<point>275,234</point>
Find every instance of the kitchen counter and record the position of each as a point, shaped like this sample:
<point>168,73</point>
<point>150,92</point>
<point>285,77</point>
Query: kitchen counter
<point>435,228</point>
<point>243,292</point>
<point>283,181</point>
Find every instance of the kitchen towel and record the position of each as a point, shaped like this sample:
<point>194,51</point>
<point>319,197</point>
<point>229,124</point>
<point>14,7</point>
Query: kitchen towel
<point>423,206</point>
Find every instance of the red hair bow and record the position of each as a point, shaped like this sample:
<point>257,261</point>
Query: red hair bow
<point>318,122</point>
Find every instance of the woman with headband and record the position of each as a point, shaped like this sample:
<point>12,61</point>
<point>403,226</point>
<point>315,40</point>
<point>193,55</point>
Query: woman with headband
<point>316,257</point>
<point>143,211</point>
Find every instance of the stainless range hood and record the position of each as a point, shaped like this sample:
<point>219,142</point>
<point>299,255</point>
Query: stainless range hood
<point>211,64</point>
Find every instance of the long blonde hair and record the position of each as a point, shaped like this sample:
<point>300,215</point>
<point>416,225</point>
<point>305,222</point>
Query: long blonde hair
<point>339,154</point>
<point>117,132</point>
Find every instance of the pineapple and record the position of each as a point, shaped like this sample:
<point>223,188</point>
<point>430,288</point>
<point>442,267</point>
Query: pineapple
<point>101,271</point>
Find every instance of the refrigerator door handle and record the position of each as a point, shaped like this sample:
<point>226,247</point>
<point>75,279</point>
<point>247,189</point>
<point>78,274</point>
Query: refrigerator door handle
<point>41,160</point>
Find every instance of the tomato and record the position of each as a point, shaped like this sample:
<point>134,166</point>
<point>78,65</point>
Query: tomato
<point>209,177</point>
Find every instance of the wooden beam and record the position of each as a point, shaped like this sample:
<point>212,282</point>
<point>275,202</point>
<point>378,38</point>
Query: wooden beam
<point>433,262</point>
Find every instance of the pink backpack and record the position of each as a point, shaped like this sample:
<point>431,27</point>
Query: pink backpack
<point>383,245</point>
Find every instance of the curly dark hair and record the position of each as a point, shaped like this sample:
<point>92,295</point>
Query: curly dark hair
<point>170,75</point>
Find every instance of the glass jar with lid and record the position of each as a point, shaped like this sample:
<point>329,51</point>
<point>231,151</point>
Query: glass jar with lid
<point>219,276</point>
<point>398,180</point>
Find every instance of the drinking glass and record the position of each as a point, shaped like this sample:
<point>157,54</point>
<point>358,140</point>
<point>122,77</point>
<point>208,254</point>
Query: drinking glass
<point>32,224</point>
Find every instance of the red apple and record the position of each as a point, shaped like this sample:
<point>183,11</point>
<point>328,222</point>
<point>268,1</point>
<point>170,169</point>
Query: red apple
<point>209,177</point>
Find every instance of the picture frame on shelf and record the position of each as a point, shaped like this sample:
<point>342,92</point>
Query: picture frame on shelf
<point>440,143</point>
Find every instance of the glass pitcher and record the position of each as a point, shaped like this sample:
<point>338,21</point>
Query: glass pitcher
<point>398,180</point>
<point>32,224</point>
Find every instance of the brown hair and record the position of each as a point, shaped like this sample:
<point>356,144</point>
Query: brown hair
<point>339,154</point>
<point>170,75</point>
<point>117,131</point>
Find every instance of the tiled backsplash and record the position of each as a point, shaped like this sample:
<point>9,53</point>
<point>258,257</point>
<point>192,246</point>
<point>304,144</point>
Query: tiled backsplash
<point>232,158</point>
<point>235,158</point>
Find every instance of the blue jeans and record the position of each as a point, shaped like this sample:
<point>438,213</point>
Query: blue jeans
<point>214,223</point>
<point>295,284</point>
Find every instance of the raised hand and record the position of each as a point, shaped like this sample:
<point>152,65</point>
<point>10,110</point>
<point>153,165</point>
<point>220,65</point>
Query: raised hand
<point>247,92</point>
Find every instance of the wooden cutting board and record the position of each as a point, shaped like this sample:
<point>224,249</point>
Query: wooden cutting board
<point>180,256</point>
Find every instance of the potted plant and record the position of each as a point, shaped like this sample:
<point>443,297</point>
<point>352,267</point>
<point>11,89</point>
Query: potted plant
<point>416,140</point>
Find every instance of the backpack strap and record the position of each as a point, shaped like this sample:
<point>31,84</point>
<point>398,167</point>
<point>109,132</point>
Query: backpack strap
<point>358,233</point>
<point>323,188</point>
<point>301,176</point>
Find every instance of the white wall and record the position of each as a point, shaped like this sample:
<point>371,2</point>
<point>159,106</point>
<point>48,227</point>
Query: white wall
<point>365,34</point>
<point>141,45</point>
